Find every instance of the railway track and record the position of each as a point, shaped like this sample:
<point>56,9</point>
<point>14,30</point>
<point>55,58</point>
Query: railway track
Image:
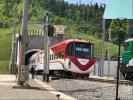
<point>94,88</point>
<point>107,80</point>
<point>96,79</point>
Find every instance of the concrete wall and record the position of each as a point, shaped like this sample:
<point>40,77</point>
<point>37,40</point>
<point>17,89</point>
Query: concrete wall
<point>35,42</point>
<point>113,67</point>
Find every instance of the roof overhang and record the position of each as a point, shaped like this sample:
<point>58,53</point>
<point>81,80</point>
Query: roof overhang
<point>119,9</point>
<point>129,40</point>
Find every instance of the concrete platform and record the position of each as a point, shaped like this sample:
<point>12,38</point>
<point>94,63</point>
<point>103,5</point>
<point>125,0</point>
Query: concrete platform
<point>38,90</point>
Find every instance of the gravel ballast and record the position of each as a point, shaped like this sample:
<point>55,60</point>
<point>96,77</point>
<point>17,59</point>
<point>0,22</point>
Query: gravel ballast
<point>88,90</point>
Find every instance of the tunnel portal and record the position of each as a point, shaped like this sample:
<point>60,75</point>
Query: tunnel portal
<point>29,53</point>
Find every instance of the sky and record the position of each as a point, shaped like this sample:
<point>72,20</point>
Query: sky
<point>87,1</point>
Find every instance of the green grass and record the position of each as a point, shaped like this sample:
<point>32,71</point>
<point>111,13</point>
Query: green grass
<point>4,69</point>
<point>5,49</point>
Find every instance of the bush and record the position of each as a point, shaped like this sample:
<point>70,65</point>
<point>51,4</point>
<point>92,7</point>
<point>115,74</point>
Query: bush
<point>6,24</point>
<point>1,24</point>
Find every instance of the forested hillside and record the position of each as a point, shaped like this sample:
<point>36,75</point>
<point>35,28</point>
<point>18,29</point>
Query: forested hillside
<point>86,18</point>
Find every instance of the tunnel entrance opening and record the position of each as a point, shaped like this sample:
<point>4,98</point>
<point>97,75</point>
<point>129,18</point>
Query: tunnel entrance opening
<point>29,53</point>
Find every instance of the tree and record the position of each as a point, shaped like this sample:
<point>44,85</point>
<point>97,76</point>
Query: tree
<point>119,26</point>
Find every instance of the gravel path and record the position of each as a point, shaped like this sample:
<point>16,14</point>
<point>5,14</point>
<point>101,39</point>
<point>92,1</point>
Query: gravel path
<point>87,90</point>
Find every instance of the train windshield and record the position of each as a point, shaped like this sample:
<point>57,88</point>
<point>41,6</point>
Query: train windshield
<point>126,46</point>
<point>79,50</point>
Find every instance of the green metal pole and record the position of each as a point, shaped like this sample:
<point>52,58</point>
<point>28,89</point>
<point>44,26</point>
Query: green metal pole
<point>117,80</point>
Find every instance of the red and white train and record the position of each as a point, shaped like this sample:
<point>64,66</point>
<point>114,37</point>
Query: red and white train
<point>73,56</point>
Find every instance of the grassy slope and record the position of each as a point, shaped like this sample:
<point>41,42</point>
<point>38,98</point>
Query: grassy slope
<point>5,45</point>
<point>5,49</point>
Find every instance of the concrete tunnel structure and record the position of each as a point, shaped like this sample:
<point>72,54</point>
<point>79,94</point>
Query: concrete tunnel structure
<point>29,53</point>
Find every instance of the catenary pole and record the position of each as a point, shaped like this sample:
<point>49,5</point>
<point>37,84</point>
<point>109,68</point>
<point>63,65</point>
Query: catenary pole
<point>24,33</point>
<point>102,48</point>
<point>46,51</point>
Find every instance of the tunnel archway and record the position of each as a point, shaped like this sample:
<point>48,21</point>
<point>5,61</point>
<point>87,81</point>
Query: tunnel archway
<point>29,53</point>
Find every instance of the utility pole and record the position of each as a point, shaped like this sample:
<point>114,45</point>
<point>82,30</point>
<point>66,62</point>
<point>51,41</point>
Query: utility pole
<point>46,51</point>
<point>24,31</point>
<point>102,50</point>
<point>109,39</point>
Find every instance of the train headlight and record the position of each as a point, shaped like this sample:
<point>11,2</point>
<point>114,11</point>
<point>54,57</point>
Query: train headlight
<point>69,64</point>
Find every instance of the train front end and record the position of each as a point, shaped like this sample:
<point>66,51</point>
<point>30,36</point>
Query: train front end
<point>79,58</point>
<point>127,60</point>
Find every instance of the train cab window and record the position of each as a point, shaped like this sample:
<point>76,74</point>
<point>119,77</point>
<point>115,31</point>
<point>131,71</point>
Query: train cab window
<point>80,50</point>
<point>125,46</point>
<point>130,46</point>
<point>54,57</point>
<point>70,51</point>
<point>50,57</point>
